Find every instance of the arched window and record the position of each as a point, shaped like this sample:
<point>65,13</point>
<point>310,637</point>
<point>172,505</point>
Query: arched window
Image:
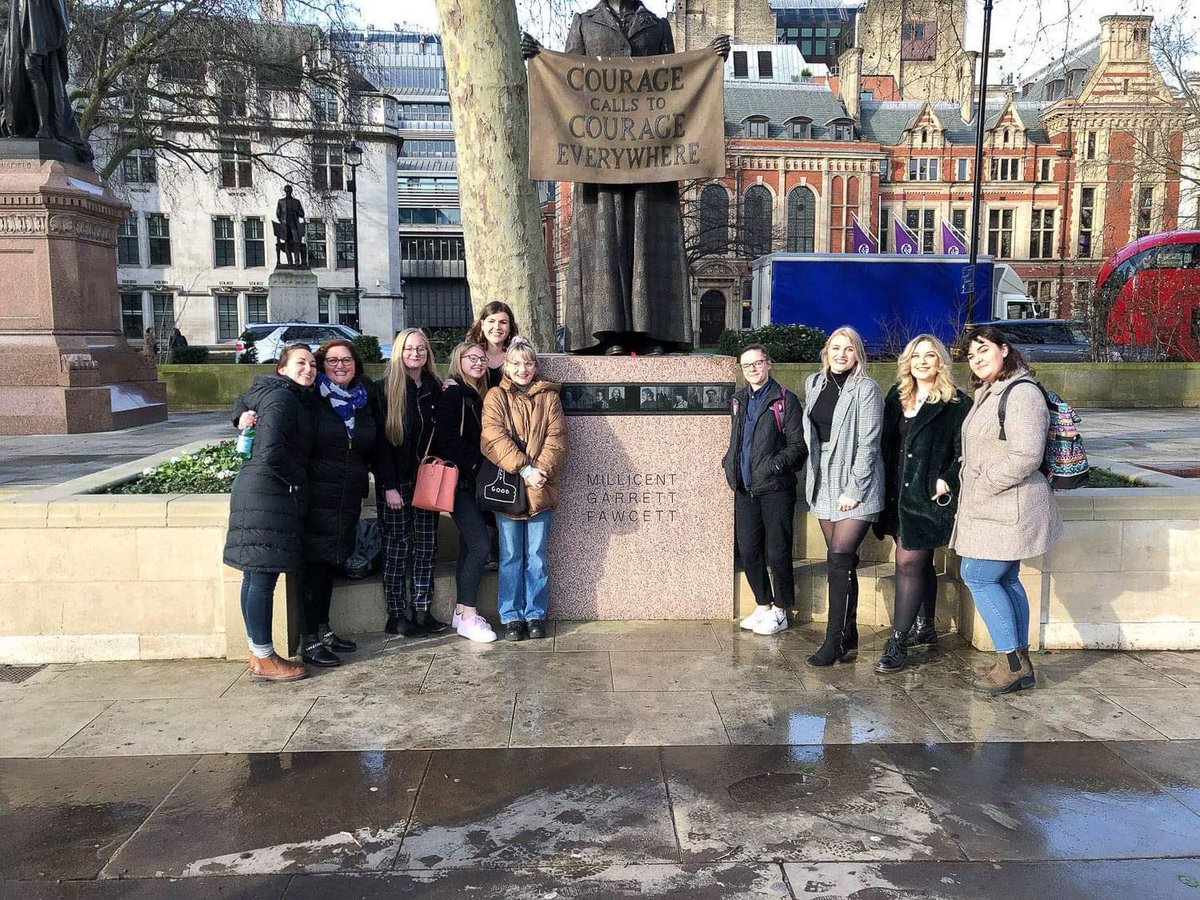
<point>756,221</point>
<point>756,126</point>
<point>801,220</point>
<point>713,221</point>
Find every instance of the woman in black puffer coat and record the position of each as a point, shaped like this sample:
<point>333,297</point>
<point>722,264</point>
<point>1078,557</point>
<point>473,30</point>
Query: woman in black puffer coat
<point>268,504</point>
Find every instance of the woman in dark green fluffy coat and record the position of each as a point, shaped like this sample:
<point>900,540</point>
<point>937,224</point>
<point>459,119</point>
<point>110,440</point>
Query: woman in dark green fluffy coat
<point>922,452</point>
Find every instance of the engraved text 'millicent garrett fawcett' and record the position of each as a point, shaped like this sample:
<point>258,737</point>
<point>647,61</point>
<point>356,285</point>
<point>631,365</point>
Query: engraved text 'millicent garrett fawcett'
<point>631,497</point>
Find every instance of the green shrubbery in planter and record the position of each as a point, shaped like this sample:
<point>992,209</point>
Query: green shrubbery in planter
<point>368,348</point>
<point>189,355</point>
<point>210,470</point>
<point>785,343</point>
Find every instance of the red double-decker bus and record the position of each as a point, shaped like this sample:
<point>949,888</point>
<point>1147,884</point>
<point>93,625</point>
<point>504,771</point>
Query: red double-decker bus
<point>1152,289</point>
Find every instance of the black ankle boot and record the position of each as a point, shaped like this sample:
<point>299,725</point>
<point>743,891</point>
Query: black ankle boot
<point>333,642</point>
<point>923,633</point>
<point>315,653</point>
<point>894,653</point>
<point>838,627</point>
<point>424,620</point>
<point>402,625</point>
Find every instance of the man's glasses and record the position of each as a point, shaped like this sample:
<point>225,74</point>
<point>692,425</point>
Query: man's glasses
<point>475,359</point>
<point>339,362</point>
<point>757,364</point>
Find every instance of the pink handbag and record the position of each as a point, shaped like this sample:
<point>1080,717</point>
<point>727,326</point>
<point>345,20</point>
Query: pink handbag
<point>437,479</point>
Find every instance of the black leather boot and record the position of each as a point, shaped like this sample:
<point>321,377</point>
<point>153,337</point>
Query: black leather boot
<point>333,642</point>
<point>894,653</point>
<point>402,625</point>
<point>315,653</point>
<point>424,620</point>
<point>923,633</point>
<point>833,649</point>
<point>852,612</point>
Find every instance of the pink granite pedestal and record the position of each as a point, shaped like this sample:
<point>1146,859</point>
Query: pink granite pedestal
<point>644,525</point>
<point>67,366</point>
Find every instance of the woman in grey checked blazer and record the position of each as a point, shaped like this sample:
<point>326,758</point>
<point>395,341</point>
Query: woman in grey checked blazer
<point>843,422</point>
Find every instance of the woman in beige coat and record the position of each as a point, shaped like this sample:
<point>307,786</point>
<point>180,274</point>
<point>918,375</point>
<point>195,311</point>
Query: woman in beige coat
<point>1007,511</point>
<point>525,432</point>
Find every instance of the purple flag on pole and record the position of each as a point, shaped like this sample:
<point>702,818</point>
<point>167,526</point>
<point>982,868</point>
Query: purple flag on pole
<point>906,241</point>
<point>952,242</point>
<point>863,242</point>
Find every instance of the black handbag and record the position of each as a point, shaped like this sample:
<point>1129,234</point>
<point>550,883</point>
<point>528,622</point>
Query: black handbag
<point>498,491</point>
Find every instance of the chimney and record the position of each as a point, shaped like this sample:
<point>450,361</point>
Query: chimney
<point>850,81</point>
<point>966,81</point>
<point>1125,39</point>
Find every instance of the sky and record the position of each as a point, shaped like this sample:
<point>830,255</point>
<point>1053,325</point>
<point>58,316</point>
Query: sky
<point>1030,32</point>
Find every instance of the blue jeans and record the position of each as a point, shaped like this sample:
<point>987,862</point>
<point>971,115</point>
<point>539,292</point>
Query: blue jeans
<point>524,591</point>
<point>1000,599</point>
<point>258,592</point>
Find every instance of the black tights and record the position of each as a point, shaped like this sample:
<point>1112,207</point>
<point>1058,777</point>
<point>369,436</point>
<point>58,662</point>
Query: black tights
<point>916,587</point>
<point>844,536</point>
<point>316,595</point>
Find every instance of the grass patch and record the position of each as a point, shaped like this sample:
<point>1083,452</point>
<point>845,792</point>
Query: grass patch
<point>1103,478</point>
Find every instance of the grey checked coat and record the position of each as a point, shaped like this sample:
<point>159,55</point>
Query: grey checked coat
<point>1006,510</point>
<point>850,463</point>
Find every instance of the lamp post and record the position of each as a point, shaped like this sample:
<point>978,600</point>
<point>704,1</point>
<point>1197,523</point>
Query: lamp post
<point>977,190</point>
<point>353,154</point>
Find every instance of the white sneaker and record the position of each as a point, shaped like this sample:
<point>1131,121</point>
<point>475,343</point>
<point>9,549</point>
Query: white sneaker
<point>752,620</point>
<point>476,629</point>
<point>773,622</point>
<point>456,619</point>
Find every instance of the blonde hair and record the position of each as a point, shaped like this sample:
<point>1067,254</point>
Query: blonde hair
<point>397,384</point>
<point>519,347</point>
<point>856,341</point>
<point>944,389</point>
<point>455,369</point>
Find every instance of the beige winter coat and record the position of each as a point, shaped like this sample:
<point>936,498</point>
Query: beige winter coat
<point>538,414</point>
<point>1006,509</point>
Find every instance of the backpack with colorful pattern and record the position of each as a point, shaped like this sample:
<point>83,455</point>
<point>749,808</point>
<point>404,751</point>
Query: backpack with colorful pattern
<point>1065,462</point>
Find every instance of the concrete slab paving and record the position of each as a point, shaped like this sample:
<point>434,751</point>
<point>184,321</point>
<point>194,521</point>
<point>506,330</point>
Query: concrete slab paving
<point>743,668</point>
<point>486,674</point>
<point>1175,765</point>
<point>33,727</point>
<point>634,636</point>
<point>936,671</point>
<point>617,719</point>
<point>1170,711</point>
<point>1183,668</point>
<point>246,887</point>
<point>311,812</point>
<point>830,717</point>
<point>188,678</point>
<point>362,674</point>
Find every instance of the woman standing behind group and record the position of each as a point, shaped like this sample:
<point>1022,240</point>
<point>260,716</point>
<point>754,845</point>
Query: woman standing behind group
<point>1008,512</point>
<point>494,330</point>
<point>524,431</point>
<point>843,417</point>
<point>921,448</point>
<point>411,393</point>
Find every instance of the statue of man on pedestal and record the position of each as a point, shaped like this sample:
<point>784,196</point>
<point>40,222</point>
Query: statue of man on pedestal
<point>627,279</point>
<point>33,76</point>
<point>289,227</point>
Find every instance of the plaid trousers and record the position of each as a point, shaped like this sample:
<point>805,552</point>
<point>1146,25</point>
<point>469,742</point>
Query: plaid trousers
<point>409,549</point>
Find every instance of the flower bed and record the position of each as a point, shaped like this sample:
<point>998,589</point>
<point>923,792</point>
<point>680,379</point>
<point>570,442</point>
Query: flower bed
<point>210,470</point>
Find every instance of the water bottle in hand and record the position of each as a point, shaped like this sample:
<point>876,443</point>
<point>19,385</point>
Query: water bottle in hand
<point>245,443</point>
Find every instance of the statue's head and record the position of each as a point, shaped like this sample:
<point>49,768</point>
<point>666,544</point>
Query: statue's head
<point>287,189</point>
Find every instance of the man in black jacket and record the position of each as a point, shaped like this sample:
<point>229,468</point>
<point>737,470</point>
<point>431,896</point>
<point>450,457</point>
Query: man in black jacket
<point>766,448</point>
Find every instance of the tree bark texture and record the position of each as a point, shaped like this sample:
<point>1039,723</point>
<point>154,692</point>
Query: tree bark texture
<point>502,225</point>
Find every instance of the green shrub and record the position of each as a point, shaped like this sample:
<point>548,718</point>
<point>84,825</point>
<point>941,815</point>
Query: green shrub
<point>785,343</point>
<point>249,356</point>
<point>443,340</point>
<point>368,348</point>
<point>189,355</point>
<point>210,470</point>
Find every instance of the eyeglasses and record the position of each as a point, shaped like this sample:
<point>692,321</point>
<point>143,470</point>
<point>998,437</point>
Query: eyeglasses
<point>416,351</point>
<point>339,362</point>
<point>757,364</point>
<point>475,359</point>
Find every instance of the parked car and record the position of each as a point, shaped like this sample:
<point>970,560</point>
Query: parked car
<point>1041,340</point>
<point>262,343</point>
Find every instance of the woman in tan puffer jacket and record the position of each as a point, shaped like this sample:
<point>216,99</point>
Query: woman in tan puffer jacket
<point>538,424</point>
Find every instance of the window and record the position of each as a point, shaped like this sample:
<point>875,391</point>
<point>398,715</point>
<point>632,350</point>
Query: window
<point>128,251</point>
<point>1089,145</point>
<point>227,317</point>
<point>323,308</point>
<point>1041,234</point>
<point>1045,300</point>
<point>918,40</point>
<point>802,220</point>
<point>756,221</point>
<point>1087,212</point>
<point>843,203</point>
<point>1145,211</point>
<point>424,148</point>
<point>801,130</point>
<point>923,169</point>
<point>1006,169</point>
<point>139,167</point>
<point>158,227</point>
<point>1054,89</point>
<point>885,230</point>
<point>714,221</point>
<point>921,223</point>
<point>347,307</point>
<point>1046,170</point>
<point>437,249</point>
<point>343,231</point>
<point>756,127</point>
<point>235,164</point>
<point>324,104</point>
<point>818,43</point>
<point>224,249</point>
<point>1083,299</point>
<point>231,95</point>
<point>163,306</point>
<point>741,64</point>
<point>1000,229</point>
<point>961,169</point>
<point>253,243</point>
<point>843,132</point>
<point>317,258</point>
<point>132,322</point>
<point>256,308</point>
<point>958,219</point>
<point>450,215</point>
<point>328,171</point>
<point>766,68</point>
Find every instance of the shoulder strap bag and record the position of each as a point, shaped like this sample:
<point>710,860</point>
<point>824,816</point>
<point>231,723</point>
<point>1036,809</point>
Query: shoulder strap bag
<point>496,490</point>
<point>437,479</point>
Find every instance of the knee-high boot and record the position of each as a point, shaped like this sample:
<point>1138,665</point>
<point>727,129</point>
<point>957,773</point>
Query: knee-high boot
<point>852,610</point>
<point>841,577</point>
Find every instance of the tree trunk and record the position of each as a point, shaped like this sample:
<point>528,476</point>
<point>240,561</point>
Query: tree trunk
<point>502,225</point>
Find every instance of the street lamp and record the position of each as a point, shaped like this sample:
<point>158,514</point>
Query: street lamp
<point>353,154</point>
<point>977,191</point>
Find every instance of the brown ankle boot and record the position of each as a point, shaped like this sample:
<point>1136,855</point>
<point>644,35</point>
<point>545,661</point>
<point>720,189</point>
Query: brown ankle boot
<point>275,668</point>
<point>1010,674</point>
<point>1031,676</point>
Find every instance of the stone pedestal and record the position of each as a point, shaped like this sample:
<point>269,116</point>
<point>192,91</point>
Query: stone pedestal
<point>292,295</point>
<point>67,367</point>
<point>644,525</point>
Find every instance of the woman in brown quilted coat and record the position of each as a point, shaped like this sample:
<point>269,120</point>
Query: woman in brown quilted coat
<point>525,432</point>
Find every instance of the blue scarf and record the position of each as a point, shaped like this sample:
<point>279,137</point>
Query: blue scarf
<point>344,402</point>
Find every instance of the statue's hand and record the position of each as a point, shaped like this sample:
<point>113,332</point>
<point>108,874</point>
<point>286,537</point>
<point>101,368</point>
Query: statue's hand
<point>529,45</point>
<point>720,44</point>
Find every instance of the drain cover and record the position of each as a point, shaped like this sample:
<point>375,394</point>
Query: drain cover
<point>776,786</point>
<point>17,674</point>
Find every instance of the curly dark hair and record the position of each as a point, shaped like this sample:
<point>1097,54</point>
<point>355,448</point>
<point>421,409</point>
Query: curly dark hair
<point>993,335</point>
<point>475,332</point>
<point>321,351</point>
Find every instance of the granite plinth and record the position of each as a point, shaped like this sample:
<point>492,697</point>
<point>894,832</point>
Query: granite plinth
<point>644,525</point>
<point>69,368</point>
<point>292,295</point>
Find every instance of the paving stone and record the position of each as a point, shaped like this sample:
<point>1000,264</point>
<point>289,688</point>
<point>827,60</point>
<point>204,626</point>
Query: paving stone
<point>1075,669</point>
<point>925,671</point>
<point>634,636</point>
<point>1173,764</point>
<point>35,728</point>
<point>1041,801</point>
<point>823,717</point>
<point>184,678</point>
<point>262,814</point>
<point>504,673</point>
<point>63,819</point>
<point>228,888</point>
<point>600,806</point>
<point>1173,711</point>
<point>1180,666</point>
<point>803,803</point>
<point>401,670</point>
<point>742,668</point>
<point>730,634</point>
<point>616,719</point>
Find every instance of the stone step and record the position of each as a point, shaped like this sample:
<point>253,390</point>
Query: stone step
<point>358,605</point>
